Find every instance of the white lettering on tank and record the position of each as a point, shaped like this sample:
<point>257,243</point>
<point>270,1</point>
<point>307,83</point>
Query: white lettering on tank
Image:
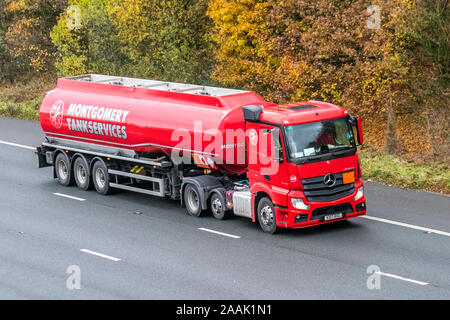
<point>71,109</point>
<point>119,134</point>
<point>78,110</point>
<point>113,115</point>
<point>89,111</point>
<point>107,114</point>
<point>118,114</point>
<point>113,130</point>
<point>83,111</point>
<point>94,112</point>
<point>100,129</point>
<point>125,114</point>
<point>95,127</point>
<point>100,113</point>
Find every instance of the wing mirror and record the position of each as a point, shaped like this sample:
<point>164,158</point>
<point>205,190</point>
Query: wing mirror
<point>356,121</point>
<point>360,132</point>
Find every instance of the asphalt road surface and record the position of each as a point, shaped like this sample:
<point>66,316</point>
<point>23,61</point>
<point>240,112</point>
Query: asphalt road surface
<point>62,243</point>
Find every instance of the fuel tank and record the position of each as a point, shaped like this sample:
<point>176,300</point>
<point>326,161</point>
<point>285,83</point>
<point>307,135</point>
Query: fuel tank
<point>149,116</point>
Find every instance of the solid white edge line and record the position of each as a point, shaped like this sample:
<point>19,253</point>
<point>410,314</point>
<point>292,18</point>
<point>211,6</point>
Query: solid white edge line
<point>220,233</point>
<point>100,255</point>
<point>401,278</point>
<point>406,225</point>
<point>67,196</point>
<point>17,145</point>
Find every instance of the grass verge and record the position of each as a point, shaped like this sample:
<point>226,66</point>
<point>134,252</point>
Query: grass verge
<point>22,101</point>
<point>26,110</point>
<point>387,169</point>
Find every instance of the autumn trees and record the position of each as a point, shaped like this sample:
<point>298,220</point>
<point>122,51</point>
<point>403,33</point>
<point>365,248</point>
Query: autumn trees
<point>25,45</point>
<point>394,73</point>
<point>328,50</point>
<point>167,40</point>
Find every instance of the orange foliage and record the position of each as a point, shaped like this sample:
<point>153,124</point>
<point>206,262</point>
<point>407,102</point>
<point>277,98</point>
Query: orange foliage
<point>324,50</point>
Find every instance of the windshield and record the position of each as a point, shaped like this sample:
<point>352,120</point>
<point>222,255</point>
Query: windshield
<point>318,138</point>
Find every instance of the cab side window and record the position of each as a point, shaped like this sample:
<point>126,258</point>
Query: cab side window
<point>278,145</point>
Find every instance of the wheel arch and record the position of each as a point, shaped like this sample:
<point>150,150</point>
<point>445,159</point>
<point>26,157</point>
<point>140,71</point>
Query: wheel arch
<point>258,196</point>
<point>80,155</point>
<point>93,161</point>
<point>259,190</point>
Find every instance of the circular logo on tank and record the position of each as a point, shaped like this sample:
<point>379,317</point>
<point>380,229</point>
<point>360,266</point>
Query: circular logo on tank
<point>253,137</point>
<point>56,114</point>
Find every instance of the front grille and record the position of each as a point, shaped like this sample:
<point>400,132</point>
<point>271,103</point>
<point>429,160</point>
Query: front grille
<point>316,190</point>
<point>320,213</point>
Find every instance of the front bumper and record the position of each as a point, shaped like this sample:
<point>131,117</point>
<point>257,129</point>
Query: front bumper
<point>286,216</point>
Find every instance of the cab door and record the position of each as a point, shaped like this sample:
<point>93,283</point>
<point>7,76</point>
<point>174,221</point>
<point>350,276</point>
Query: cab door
<point>266,157</point>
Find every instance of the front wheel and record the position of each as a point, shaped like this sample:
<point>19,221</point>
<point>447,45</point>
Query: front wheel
<point>266,216</point>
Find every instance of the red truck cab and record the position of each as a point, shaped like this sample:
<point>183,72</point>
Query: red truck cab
<point>312,174</point>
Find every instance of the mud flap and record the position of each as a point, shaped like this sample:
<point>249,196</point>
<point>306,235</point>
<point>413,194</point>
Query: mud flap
<point>42,158</point>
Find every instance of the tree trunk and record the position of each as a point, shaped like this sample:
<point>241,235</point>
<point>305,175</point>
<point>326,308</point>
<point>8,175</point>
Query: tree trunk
<point>391,129</point>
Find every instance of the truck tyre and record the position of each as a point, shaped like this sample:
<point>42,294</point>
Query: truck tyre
<point>266,216</point>
<point>82,174</point>
<point>192,201</point>
<point>217,205</point>
<point>62,169</point>
<point>100,177</point>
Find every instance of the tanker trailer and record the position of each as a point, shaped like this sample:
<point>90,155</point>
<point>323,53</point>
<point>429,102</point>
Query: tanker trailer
<point>216,150</point>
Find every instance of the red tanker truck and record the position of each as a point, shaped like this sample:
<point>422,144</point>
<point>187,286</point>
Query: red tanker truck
<point>216,150</point>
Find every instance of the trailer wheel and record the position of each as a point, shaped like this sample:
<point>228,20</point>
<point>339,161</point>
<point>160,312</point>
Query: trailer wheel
<point>62,169</point>
<point>100,177</point>
<point>266,216</point>
<point>82,174</point>
<point>192,201</point>
<point>218,208</point>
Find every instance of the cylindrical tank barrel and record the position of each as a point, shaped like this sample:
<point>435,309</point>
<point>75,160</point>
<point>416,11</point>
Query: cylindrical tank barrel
<point>209,128</point>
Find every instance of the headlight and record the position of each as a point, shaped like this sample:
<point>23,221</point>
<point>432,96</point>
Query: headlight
<point>299,204</point>
<point>359,194</point>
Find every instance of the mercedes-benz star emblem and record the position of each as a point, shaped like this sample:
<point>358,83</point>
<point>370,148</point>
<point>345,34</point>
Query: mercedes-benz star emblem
<point>329,179</point>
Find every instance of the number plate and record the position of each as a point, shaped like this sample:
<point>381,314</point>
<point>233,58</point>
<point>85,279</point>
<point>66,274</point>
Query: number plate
<point>332,216</point>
